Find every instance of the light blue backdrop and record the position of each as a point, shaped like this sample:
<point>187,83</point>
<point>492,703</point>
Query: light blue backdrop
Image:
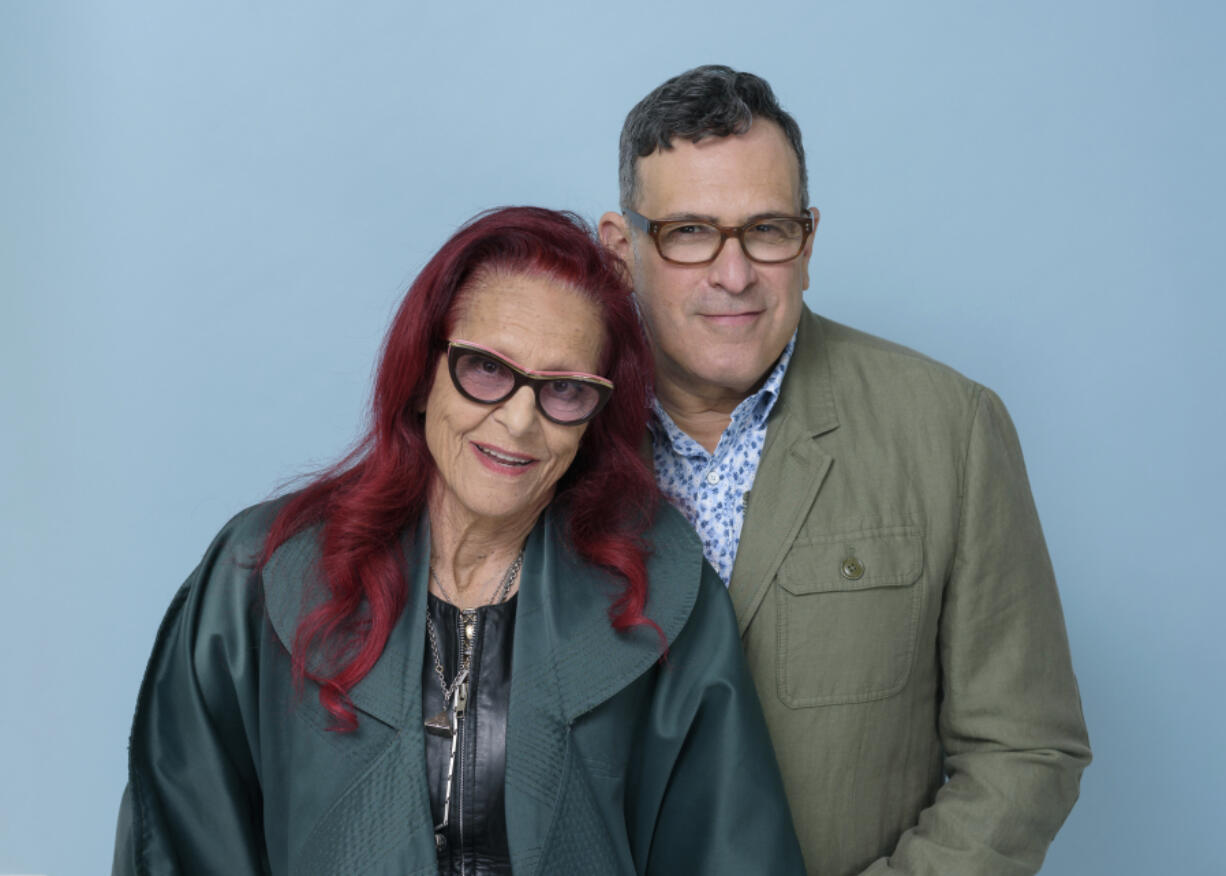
<point>208,212</point>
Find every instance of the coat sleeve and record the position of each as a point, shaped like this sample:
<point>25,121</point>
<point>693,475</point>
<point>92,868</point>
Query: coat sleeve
<point>723,810</point>
<point>192,803</point>
<point>1010,716</point>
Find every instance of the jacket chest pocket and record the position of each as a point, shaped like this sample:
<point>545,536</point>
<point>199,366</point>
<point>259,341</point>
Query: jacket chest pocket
<point>849,612</point>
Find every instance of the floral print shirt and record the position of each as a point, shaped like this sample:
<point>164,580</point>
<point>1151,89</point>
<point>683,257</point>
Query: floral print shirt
<point>711,489</point>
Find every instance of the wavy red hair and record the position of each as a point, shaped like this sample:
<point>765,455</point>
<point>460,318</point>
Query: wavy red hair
<point>363,503</point>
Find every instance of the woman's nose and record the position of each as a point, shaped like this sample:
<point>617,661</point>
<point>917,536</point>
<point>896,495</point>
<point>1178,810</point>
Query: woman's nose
<point>518,413</point>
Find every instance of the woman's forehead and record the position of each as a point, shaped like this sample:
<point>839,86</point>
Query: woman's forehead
<point>531,317</point>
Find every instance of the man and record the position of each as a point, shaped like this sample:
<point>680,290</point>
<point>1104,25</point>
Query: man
<point>867,506</point>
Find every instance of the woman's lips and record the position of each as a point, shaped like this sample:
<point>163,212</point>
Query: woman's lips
<point>502,461</point>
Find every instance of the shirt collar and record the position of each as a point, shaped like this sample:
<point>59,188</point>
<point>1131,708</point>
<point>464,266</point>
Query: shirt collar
<point>756,407</point>
<point>763,401</point>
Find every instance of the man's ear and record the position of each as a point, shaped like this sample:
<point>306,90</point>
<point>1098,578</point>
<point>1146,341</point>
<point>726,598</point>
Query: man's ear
<point>615,235</point>
<point>817,217</point>
<point>808,250</point>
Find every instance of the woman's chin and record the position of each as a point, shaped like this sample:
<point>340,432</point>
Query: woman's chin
<point>508,507</point>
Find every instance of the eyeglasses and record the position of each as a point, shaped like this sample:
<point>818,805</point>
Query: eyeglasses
<point>767,239</point>
<point>567,398</point>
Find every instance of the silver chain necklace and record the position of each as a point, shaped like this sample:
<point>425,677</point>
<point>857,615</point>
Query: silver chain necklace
<point>455,695</point>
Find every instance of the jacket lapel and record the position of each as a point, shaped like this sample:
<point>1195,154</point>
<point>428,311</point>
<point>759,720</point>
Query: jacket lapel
<point>567,660</point>
<point>791,470</point>
<point>382,820</point>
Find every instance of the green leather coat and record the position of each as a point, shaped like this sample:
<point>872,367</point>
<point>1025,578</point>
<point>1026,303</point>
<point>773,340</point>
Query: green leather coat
<point>615,763</point>
<point>901,619</point>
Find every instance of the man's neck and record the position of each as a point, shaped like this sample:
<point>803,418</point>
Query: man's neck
<point>703,418</point>
<point>705,427</point>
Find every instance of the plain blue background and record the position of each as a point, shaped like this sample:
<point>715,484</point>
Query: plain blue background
<point>208,212</point>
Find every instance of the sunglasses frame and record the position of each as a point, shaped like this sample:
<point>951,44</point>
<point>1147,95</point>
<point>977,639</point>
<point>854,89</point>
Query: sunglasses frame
<point>456,347</point>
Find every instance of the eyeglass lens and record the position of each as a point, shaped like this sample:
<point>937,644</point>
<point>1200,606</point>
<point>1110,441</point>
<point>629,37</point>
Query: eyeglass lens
<point>769,240</point>
<point>489,380</point>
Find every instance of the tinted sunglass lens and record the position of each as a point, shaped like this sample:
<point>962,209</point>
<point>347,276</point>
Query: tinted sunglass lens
<point>483,377</point>
<point>569,401</point>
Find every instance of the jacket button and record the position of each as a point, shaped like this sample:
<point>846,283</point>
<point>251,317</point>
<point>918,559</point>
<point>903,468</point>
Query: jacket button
<point>852,569</point>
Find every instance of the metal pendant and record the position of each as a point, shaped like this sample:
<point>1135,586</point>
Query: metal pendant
<point>444,723</point>
<point>439,725</point>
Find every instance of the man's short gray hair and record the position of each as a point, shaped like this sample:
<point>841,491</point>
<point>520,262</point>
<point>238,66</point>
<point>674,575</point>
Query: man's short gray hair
<point>708,101</point>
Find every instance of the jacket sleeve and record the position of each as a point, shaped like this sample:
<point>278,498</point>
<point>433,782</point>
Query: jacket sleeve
<point>723,810</point>
<point>192,803</point>
<point>1010,716</point>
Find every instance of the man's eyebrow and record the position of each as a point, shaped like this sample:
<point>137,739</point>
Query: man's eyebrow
<point>712,220</point>
<point>689,217</point>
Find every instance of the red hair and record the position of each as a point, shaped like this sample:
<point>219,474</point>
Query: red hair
<point>363,503</point>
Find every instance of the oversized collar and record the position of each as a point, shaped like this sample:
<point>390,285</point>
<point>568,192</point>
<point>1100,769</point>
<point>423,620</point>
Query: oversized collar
<point>563,602</point>
<point>566,660</point>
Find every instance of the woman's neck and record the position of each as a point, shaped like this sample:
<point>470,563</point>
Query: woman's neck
<point>469,554</point>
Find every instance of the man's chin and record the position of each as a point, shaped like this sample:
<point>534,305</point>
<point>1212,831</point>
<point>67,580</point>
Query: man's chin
<point>739,378</point>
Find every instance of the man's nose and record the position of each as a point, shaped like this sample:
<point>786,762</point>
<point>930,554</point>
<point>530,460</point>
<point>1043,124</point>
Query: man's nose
<point>732,270</point>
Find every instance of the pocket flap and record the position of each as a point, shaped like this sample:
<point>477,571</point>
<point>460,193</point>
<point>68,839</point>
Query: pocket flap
<point>868,558</point>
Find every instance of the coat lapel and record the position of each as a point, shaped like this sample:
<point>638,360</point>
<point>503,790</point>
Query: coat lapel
<point>381,822</point>
<point>567,660</point>
<point>791,470</point>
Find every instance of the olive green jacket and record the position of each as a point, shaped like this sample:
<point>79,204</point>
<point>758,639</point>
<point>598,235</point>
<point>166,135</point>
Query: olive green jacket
<point>616,763</point>
<point>901,620</point>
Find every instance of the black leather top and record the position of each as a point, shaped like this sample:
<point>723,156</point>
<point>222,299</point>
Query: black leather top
<point>477,828</point>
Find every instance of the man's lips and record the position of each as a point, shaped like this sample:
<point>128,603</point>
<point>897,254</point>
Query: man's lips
<point>504,461</point>
<point>732,319</point>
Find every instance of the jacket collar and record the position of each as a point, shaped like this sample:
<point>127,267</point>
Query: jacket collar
<point>293,586</point>
<point>380,822</point>
<point>567,660</point>
<point>807,394</point>
<point>790,471</point>
<point>565,604</point>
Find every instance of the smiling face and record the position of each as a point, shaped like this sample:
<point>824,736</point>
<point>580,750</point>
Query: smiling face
<point>717,328</point>
<point>500,463</point>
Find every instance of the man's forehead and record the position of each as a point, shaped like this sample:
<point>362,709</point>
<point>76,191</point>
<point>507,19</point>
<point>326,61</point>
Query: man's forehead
<point>747,174</point>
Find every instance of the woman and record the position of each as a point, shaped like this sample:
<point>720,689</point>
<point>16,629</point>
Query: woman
<point>477,644</point>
